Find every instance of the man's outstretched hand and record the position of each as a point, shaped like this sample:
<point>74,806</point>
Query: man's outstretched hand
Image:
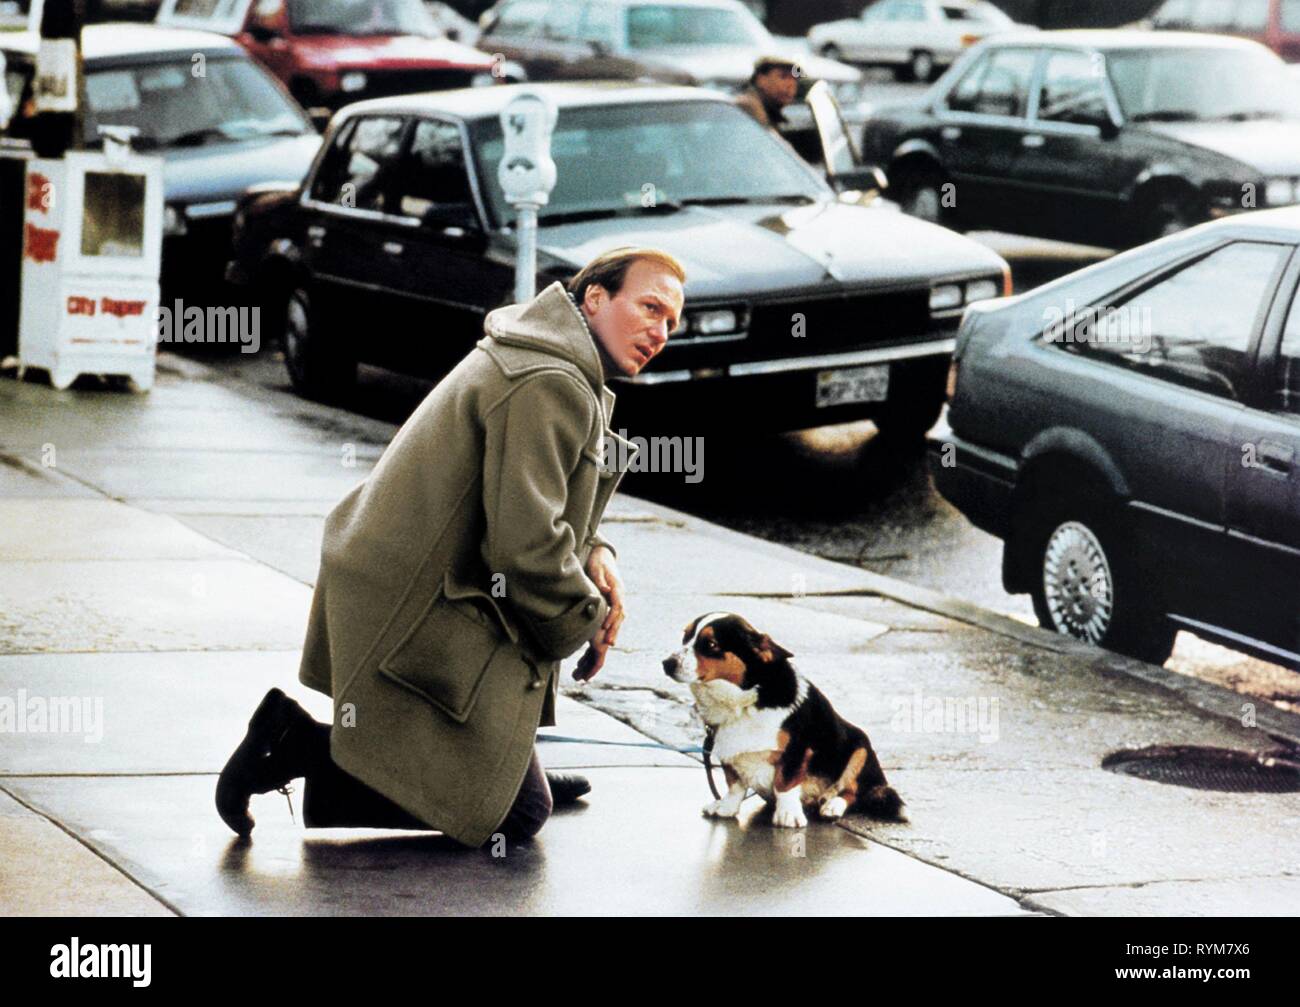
<point>603,571</point>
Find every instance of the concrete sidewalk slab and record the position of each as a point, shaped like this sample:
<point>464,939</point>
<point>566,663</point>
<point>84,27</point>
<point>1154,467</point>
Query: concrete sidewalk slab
<point>637,846</point>
<point>47,872</point>
<point>97,529</point>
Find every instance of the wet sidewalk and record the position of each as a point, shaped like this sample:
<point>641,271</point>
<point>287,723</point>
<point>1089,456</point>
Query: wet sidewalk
<point>156,557</point>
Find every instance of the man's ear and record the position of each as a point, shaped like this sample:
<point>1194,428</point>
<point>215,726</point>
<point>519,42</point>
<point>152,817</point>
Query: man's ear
<point>594,297</point>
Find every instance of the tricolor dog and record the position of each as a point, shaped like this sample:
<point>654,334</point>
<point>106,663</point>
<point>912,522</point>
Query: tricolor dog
<point>773,729</point>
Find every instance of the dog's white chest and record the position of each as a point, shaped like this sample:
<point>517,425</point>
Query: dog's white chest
<point>746,744</point>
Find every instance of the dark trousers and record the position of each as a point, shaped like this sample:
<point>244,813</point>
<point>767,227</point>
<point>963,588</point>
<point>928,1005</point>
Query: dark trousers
<point>333,798</point>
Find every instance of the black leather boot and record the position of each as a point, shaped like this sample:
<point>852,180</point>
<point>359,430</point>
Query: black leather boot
<point>567,787</point>
<point>281,745</point>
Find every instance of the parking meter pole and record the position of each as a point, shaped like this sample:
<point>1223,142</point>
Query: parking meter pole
<point>527,176</point>
<point>526,258</point>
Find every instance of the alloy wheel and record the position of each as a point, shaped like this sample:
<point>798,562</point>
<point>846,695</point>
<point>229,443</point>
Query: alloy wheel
<point>1078,584</point>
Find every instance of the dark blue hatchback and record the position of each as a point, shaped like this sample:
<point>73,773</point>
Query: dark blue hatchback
<point>1132,433</point>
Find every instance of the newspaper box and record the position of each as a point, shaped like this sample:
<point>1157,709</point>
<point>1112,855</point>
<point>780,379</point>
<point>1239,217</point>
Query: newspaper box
<point>92,243</point>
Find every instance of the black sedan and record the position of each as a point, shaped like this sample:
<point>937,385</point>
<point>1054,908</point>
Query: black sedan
<point>1132,433</point>
<point>804,306</point>
<point>1105,137</point>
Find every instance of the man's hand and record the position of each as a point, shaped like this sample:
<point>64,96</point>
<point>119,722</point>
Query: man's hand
<point>603,571</point>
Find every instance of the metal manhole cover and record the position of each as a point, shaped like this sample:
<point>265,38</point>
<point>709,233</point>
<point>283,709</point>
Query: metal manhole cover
<point>1204,768</point>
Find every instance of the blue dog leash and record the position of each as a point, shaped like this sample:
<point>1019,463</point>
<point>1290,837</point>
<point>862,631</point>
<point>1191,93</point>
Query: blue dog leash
<point>706,750</point>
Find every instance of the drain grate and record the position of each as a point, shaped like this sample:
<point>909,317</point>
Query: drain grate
<point>1205,768</point>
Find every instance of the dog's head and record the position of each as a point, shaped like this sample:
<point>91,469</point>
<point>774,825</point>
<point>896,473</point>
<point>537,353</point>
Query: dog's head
<point>722,647</point>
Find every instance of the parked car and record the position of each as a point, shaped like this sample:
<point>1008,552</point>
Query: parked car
<point>1105,137</point>
<point>915,38</point>
<point>802,308</point>
<point>708,43</point>
<point>330,52</point>
<point>1132,433</point>
<point>218,132</point>
<point>1274,23</point>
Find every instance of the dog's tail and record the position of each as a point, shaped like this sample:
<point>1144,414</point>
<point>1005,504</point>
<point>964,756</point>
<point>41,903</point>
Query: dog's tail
<point>881,802</point>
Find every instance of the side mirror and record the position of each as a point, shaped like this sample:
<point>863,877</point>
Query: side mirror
<point>320,117</point>
<point>1109,128</point>
<point>868,179</point>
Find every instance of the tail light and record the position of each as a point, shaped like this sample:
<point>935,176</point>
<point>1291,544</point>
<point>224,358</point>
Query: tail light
<point>1007,286</point>
<point>951,388</point>
<point>969,40</point>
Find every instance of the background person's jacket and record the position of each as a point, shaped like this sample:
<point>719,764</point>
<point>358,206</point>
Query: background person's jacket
<point>452,580</point>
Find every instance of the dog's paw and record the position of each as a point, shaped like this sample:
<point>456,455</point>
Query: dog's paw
<point>834,807</point>
<point>789,817</point>
<point>720,809</point>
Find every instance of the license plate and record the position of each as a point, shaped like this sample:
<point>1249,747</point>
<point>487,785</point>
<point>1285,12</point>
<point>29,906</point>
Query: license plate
<point>852,384</point>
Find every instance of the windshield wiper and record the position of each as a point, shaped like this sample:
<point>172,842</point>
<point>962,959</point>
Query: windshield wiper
<point>792,197</point>
<point>197,137</point>
<point>608,212</point>
<point>1166,115</point>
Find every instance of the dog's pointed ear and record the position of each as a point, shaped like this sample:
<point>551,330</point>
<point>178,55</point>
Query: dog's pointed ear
<point>769,650</point>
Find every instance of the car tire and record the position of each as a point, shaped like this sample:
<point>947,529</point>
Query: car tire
<point>318,364</point>
<point>921,66</point>
<point>919,191</point>
<point>907,418</point>
<point>1169,213</point>
<point>1086,583</point>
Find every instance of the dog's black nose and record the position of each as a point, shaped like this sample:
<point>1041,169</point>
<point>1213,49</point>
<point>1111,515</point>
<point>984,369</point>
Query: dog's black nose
<point>670,665</point>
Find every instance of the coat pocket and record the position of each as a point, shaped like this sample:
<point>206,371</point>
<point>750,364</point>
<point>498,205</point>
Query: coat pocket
<point>444,656</point>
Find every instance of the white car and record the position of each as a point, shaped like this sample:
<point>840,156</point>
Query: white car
<point>917,38</point>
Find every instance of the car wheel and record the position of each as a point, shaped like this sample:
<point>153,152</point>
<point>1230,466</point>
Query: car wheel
<point>1086,585</point>
<point>318,366</point>
<point>1168,214</point>
<point>914,406</point>
<point>919,191</point>
<point>921,66</point>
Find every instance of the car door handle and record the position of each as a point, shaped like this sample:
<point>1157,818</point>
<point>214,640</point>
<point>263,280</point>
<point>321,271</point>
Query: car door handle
<point>951,133</point>
<point>1032,140</point>
<point>1275,456</point>
<point>394,247</point>
<point>315,234</point>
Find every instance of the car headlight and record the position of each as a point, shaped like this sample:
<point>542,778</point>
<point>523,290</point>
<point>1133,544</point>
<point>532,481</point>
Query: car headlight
<point>352,82</point>
<point>1280,192</point>
<point>713,323</point>
<point>173,222</point>
<point>982,290</point>
<point>946,297</point>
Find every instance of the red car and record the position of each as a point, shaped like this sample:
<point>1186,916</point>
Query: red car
<point>1275,23</point>
<point>332,52</point>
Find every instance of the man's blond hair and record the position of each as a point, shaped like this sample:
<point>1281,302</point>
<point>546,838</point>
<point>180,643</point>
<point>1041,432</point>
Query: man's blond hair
<point>609,269</point>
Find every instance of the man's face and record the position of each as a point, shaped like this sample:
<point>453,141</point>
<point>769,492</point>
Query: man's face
<point>778,85</point>
<point>633,325</point>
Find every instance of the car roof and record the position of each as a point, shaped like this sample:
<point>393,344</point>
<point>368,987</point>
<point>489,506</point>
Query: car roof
<point>488,101</point>
<point>1117,39</point>
<point>1282,223</point>
<point>116,40</point>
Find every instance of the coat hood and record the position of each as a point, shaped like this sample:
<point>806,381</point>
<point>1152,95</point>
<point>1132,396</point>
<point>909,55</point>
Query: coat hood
<point>550,323</point>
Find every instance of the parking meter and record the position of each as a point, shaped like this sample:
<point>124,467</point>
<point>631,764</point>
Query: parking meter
<point>527,176</point>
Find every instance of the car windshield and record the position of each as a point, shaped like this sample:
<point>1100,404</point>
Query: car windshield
<point>657,26</point>
<point>982,12</point>
<point>176,105</point>
<point>633,159</point>
<point>360,17</point>
<point>1189,85</point>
